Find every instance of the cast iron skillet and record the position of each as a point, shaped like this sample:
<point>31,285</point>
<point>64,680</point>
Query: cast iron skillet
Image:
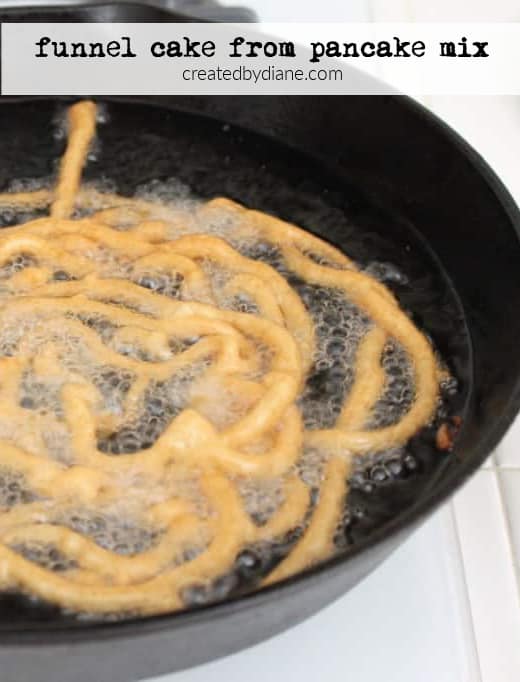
<point>379,167</point>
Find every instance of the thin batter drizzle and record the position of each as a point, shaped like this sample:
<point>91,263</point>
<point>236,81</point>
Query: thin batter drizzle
<point>153,367</point>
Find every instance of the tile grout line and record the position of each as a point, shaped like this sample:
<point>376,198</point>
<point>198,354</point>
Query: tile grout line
<point>467,598</point>
<point>499,467</point>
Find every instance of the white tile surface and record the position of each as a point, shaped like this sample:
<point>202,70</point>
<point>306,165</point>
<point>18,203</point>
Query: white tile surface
<point>465,10</point>
<point>510,486</point>
<point>490,577</point>
<point>397,10</point>
<point>508,452</point>
<point>407,622</point>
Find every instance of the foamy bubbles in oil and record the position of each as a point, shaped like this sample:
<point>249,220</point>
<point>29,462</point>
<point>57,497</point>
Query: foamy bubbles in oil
<point>123,528</point>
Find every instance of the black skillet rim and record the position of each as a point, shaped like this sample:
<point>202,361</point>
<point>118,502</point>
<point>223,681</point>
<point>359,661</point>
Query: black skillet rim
<point>408,519</point>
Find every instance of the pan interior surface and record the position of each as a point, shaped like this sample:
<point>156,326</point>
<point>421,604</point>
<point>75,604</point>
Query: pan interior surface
<point>150,147</point>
